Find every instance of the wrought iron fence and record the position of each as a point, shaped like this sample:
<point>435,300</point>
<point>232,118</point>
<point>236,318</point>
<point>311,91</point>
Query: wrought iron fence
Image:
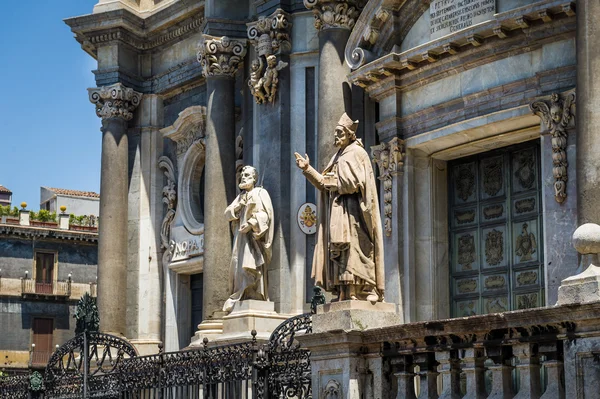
<point>95,365</point>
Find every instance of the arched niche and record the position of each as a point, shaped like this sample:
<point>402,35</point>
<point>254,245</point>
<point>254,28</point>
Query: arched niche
<point>188,133</point>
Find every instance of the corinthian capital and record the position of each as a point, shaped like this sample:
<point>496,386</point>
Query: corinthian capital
<point>115,101</point>
<point>220,56</point>
<point>335,13</point>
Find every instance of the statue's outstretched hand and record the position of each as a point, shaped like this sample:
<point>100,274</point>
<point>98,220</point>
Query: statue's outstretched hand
<point>303,163</point>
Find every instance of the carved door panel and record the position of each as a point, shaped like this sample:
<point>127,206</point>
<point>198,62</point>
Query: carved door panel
<point>495,231</point>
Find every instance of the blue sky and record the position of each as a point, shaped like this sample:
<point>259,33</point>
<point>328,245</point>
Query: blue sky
<point>49,132</point>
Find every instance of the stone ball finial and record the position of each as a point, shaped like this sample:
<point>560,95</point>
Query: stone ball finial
<point>23,204</point>
<point>63,208</point>
<point>586,239</point>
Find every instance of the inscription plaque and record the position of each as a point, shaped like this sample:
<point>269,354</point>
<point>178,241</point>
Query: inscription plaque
<point>449,16</point>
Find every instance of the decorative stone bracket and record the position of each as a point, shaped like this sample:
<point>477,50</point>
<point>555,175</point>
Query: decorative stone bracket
<point>389,158</point>
<point>270,35</point>
<point>220,56</point>
<point>335,13</point>
<point>557,113</point>
<point>115,101</point>
<point>170,199</point>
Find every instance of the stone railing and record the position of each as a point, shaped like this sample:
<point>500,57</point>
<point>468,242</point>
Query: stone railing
<point>27,287</point>
<point>536,353</point>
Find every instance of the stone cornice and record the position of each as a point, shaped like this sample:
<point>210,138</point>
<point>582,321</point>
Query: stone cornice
<point>93,31</point>
<point>220,56</point>
<point>37,232</point>
<point>335,13</point>
<point>501,37</point>
<point>115,101</point>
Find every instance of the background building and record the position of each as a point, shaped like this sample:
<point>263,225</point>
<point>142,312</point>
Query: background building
<point>5,196</point>
<point>77,202</point>
<point>45,267</point>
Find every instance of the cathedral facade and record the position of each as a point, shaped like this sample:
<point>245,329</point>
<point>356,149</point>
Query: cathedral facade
<point>467,108</point>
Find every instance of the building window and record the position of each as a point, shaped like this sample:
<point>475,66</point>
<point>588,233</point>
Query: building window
<point>496,241</point>
<point>45,272</point>
<point>42,329</point>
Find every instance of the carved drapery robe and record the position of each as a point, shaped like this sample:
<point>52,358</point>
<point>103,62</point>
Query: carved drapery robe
<point>349,248</point>
<point>251,250</point>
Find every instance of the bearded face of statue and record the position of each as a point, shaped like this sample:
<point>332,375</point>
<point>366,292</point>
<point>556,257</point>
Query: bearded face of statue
<point>247,179</point>
<point>342,137</point>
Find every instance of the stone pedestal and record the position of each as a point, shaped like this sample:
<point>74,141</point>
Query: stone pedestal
<point>584,287</point>
<point>354,315</point>
<point>237,326</point>
<point>339,357</point>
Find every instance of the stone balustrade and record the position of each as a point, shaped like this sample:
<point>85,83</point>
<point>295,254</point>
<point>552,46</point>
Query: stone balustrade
<point>28,287</point>
<point>535,353</point>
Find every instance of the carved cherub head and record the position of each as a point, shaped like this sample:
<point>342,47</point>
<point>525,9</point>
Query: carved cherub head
<point>556,110</point>
<point>255,65</point>
<point>271,61</point>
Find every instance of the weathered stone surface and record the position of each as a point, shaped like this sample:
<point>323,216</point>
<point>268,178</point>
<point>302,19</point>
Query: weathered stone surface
<point>354,315</point>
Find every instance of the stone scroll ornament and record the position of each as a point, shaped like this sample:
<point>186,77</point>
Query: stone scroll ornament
<point>389,157</point>
<point>335,13</point>
<point>115,101</point>
<point>271,37</point>
<point>170,200</point>
<point>557,114</point>
<point>220,56</point>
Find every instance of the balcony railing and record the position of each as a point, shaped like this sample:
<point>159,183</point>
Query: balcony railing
<point>56,288</point>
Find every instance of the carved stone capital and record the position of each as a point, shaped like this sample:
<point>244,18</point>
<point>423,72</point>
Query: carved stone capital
<point>270,35</point>
<point>335,13</point>
<point>389,158</point>
<point>115,101</point>
<point>220,56</point>
<point>557,113</point>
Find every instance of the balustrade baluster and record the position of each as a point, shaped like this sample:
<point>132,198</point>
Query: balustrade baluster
<point>405,376</point>
<point>473,366</point>
<point>554,370</point>
<point>427,375</point>
<point>449,368</point>
<point>529,370</point>
<point>502,384</point>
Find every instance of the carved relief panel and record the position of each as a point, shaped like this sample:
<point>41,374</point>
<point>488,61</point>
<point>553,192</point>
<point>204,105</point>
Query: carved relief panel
<point>495,220</point>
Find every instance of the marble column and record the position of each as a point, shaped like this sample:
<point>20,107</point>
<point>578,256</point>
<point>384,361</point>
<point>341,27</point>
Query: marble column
<point>587,115</point>
<point>145,215</point>
<point>115,105</point>
<point>220,59</point>
<point>334,20</point>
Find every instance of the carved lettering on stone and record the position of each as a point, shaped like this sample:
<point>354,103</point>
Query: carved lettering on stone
<point>335,13</point>
<point>170,200</point>
<point>556,114</point>
<point>270,36</point>
<point>389,158</point>
<point>115,101</point>
<point>220,56</point>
